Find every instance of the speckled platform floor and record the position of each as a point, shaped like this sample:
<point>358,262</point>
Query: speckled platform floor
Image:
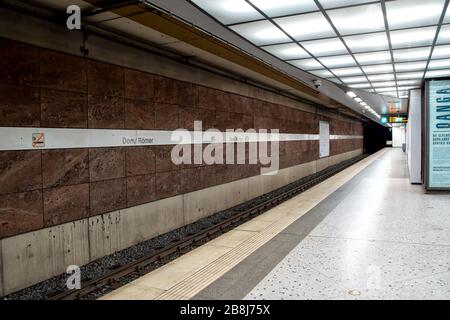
<point>381,238</point>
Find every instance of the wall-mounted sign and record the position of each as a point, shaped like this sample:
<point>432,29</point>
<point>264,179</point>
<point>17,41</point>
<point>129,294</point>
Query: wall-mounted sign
<point>324,136</point>
<point>38,140</point>
<point>438,135</point>
<point>394,118</point>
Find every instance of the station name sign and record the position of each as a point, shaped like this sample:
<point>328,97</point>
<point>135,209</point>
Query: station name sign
<point>438,135</point>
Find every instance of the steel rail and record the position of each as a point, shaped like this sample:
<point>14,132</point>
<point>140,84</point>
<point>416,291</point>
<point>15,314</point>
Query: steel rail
<point>137,267</point>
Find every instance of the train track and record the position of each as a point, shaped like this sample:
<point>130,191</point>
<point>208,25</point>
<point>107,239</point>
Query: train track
<point>117,277</point>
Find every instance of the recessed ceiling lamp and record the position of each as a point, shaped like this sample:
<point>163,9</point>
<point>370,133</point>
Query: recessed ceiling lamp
<point>351,94</point>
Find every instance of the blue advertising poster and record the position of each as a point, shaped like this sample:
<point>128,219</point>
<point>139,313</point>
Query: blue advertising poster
<point>438,162</point>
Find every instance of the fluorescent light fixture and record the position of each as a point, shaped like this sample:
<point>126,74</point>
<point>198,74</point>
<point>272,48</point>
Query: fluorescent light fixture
<point>306,64</point>
<point>338,61</point>
<point>411,54</point>
<point>390,93</point>
<point>368,107</point>
<point>353,79</point>
<point>381,77</point>
<point>373,69</point>
<point>409,75</point>
<point>261,32</point>
<point>444,34</point>
<point>408,83</point>
<point>413,13</point>
<point>306,26</point>
<point>386,89</point>
<point>363,103</point>
<point>358,99</point>
<point>287,51</point>
<point>441,51</point>
<point>418,37</point>
<point>411,66</point>
<point>359,19</point>
<point>325,47</point>
<point>359,85</point>
<point>367,42</point>
<point>284,7</point>
<point>383,84</point>
<point>351,94</point>
<point>407,88</point>
<point>328,4</point>
<point>229,11</point>
<point>335,80</point>
<point>323,73</point>
<point>347,71</point>
<point>439,64</point>
<point>373,57</point>
<point>437,73</point>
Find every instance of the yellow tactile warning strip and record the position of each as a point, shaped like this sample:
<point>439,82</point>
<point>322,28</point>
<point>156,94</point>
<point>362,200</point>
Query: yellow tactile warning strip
<point>186,276</point>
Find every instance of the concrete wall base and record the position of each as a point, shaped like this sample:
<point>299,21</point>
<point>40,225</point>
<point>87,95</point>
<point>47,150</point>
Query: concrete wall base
<point>29,258</point>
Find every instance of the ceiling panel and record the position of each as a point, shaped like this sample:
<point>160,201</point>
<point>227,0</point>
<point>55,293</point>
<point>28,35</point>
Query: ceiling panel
<point>287,51</point>
<point>229,11</point>
<point>306,26</point>
<point>359,19</point>
<point>325,47</point>
<point>413,13</point>
<point>261,32</point>
<point>284,7</point>
<point>352,42</point>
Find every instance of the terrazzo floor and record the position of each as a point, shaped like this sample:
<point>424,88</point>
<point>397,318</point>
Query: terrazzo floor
<point>386,239</point>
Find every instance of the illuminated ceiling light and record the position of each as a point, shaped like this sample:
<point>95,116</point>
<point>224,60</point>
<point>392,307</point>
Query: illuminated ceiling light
<point>441,51</point>
<point>229,11</point>
<point>373,57</point>
<point>411,54</point>
<point>444,34</point>
<point>325,47</point>
<point>284,7</point>
<point>413,13</point>
<point>306,26</point>
<point>351,94</point>
<point>439,64</point>
<point>359,19</point>
<point>411,66</point>
<point>347,71</point>
<point>406,88</point>
<point>381,77</point>
<point>338,61</point>
<point>409,75</point>
<point>377,68</point>
<point>287,51</point>
<point>367,107</point>
<point>413,37</point>
<point>260,32</point>
<point>383,84</point>
<point>353,79</point>
<point>437,73</point>
<point>306,64</point>
<point>323,73</point>
<point>387,89</point>
<point>328,4</point>
<point>359,85</point>
<point>358,99</point>
<point>367,42</point>
<point>408,82</point>
<point>363,103</point>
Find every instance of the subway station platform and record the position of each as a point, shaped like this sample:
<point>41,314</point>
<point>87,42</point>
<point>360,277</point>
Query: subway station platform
<point>365,233</point>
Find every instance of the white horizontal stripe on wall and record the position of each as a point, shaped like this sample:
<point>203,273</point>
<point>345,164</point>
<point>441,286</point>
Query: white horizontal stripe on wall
<point>15,138</point>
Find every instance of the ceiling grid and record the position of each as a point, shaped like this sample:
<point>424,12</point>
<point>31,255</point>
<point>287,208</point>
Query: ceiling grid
<point>386,47</point>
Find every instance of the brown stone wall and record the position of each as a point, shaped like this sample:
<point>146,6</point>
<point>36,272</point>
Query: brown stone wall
<point>42,88</point>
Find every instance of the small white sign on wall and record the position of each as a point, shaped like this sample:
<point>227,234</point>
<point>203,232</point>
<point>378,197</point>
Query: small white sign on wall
<point>324,134</point>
